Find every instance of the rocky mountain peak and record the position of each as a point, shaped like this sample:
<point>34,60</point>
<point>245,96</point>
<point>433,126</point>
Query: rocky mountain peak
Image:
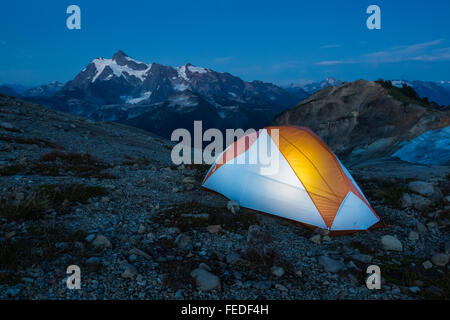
<point>362,119</point>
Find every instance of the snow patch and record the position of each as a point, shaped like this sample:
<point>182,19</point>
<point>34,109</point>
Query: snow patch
<point>118,71</point>
<point>431,148</point>
<point>180,86</point>
<point>197,69</point>
<point>145,96</point>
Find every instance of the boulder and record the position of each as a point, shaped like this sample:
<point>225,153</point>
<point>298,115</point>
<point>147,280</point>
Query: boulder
<point>214,228</point>
<point>233,206</point>
<point>101,242</point>
<point>423,188</point>
<point>413,236</point>
<point>277,271</point>
<point>331,265</point>
<point>363,258</point>
<point>205,280</point>
<point>415,201</point>
<point>440,259</point>
<point>391,243</point>
<point>183,241</point>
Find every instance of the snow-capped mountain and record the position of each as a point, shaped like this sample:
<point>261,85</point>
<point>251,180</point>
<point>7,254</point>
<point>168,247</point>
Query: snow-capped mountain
<point>125,80</point>
<point>44,90</point>
<point>316,86</point>
<point>156,97</point>
<point>312,87</point>
<point>438,92</point>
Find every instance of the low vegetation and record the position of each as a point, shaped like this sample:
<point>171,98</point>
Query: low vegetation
<point>29,141</point>
<point>47,197</point>
<point>388,191</point>
<point>195,215</point>
<point>41,244</point>
<point>406,94</point>
<point>58,163</point>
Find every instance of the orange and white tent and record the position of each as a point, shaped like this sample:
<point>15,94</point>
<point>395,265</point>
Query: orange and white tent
<point>289,171</point>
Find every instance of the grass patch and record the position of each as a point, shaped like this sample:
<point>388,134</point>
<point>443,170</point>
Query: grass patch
<point>57,163</point>
<point>36,247</point>
<point>80,164</point>
<point>406,94</point>
<point>406,275</point>
<point>173,216</point>
<point>30,141</point>
<point>141,162</point>
<point>11,170</point>
<point>388,191</point>
<point>58,194</point>
<point>46,197</point>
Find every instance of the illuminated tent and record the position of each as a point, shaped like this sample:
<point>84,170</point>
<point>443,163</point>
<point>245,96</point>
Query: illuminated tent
<point>289,171</point>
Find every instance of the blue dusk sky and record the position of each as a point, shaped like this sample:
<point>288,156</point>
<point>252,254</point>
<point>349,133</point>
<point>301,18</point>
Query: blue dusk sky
<point>278,41</point>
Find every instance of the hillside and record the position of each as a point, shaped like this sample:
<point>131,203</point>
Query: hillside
<point>106,197</point>
<point>361,120</point>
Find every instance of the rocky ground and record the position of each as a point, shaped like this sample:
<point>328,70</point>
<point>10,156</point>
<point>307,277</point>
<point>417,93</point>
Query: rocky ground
<point>107,198</point>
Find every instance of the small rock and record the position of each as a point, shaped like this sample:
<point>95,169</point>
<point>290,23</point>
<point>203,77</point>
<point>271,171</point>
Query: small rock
<point>421,187</point>
<point>132,258</point>
<point>10,235</point>
<point>363,258</point>
<point>316,239</point>
<point>183,241</point>
<point>205,280</point>
<point>173,231</point>
<point>232,258</point>
<point>233,206</point>
<point>413,236</point>
<point>129,272</point>
<point>189,180</point>
<point>391,243</point>
<point>90,237</point>
<point>440,259</point>
<point>214,228</point>
<point>101,242</point>
<point>421,228</point>
<point>277,271</point>
<point>262,285</point>
<point>138,252</point>
<point>298,273</point>
<point>280,287</point>
<point>93,262</point>
<point>427,265</point>
<point>142,229</point>
<point>330,265</point>
<point>414,289</point>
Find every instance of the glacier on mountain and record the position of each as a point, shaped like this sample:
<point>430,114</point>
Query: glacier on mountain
<point>431,148</point>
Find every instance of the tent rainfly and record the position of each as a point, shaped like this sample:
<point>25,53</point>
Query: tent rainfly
<point>300,179</point>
